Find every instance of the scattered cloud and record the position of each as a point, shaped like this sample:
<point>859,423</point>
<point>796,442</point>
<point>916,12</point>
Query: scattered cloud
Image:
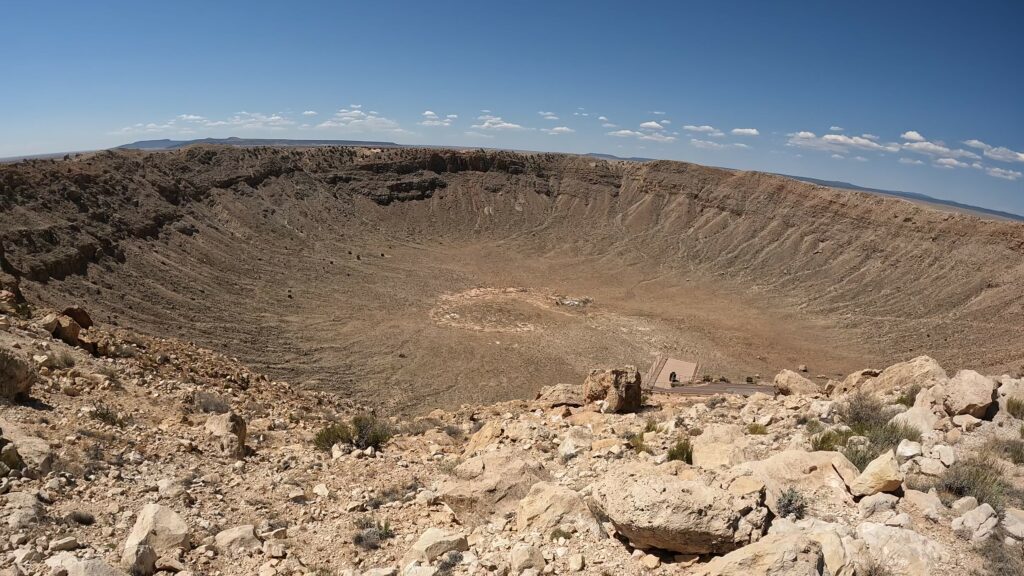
<point>602,118</point>
<point>938,149</point>
<point>557,130</point>
<point>912,161</point>
<point>705,129</point>
<point>712,145</point>
<point>912,135</point>
<point>352,119</point>
<point>309,113</point>
<point>869,136</point>
<point>838,157</point>
<point>491,122</point>
<point>651,125</point>
<point>548,115</point>
<point>745,132</point>
<point>1011,175</point>
<point>860,159</point>
<point>950,163</point>
<point>836,128</point>
<point>473,134</point>
<point>651,136</point>
<point>838,143</point>
<point>430,118</point>
<point>999,153</point>
<point>657,112</point>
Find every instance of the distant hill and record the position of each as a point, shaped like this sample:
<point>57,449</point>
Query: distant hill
<point>914,196</point>
<point>167,144</point>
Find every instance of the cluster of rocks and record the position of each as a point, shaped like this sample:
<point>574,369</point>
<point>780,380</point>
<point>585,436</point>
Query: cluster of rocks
<point>157,457</point>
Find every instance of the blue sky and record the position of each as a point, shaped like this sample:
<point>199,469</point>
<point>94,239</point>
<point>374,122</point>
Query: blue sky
<point>918,96</point>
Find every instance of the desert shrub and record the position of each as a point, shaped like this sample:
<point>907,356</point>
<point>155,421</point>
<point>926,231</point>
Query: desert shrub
<point>862,411</point>
<point>210,402</point>
<point>1012,450</point>
<point>829,440</point>
<point>714,402</point>
<point>859,456</point>
<point>650,425</point>
<point>695,431</point>
<point>705,378</point>
<point>108,415</point>
<point>330,435</point>
<point>909,395</point>
<point>448,467</point>
<point>757,429</point>
<point>455,432</point>
<point>682,450</point>
<point>110,372</point>
<point>980,476</point>
<point>370,537</point>
<point>749,379</point>
<point>364,522</point>
<point>448,563</point>
<point>791,503</point>
<point>1015,406</point>
<point>636,442</point>
<point>558,534</point>
<point>395,493</point>
<point>366,430</point>
<point>873,567</point>
<point>1000,559</point>
<point>814,426</point>
<point>63,359</point>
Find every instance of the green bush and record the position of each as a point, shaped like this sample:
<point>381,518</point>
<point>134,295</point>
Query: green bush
<point>108,415</point>
<point>757,429</point>
<point>650,425</point>
<point>1015,406</point>
<point>683,450</point>
<point>829,441</point>
<point>1012,450</point>
<point>815,426</point>
<point>636,442</point>
<point>373,534</point>
<point>909,395</point>
<point>365,431</point>
<point>791,503</point>
<point>980,476</point>
<point>558,533</point>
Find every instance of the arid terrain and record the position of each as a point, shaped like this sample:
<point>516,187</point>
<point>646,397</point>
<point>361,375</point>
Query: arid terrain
<point>415,278</point>
<point>357,362</point>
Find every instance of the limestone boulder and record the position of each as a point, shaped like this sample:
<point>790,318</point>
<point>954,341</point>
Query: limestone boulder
<point>881,475</point>
<point>491,483</point>
<point>488,435</point>
<point>560,395</point>
<point>689,514</point>
<point>617,388</point>
<point>922,371</point>
<point>21,450</point>
<point>919,417</point>
<point>818,476</point>
<point>158,527</point>
<point>433,543</point>
<point>548,505</point>
<point>775,555</point>
<point>69,564</point>
<point>719,445</point>
<point>788,382</point>
<point>17,375</point>
<point>228,433</point>
<point>1013,522</point>
<point>238,538</point>
<point>902,551</point>
<point>970,393</point>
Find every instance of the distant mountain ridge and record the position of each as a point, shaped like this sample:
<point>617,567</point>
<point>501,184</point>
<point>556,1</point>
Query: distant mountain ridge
<point>167,144</point>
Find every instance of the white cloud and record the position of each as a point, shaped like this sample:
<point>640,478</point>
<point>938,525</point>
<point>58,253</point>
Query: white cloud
<point>860,159</point>
<point>912,135</point>
<point>937,149</point>
<point>977,144</point>
<point>451,116</point>
<point>352,119</point>
<point>711,145</point>
<point>430,118</point>
<point>548,115</point>
<point>869,136</point>
<point>838,143</point>
<point>557,130</point>
<point>1004,155</point>
<point>1010,175</point>
<point>651,136</point>
<point>950,163</point>
<point>657,112</point>
<point>704,129</point>
<point>490,122</point>
<point>309,113</point>
<point>912,161</point>
<point>745,132</point>
<point>609,125</point>
<point>836,128</point>
<point>191,118</point>
<point>356,106</point>
<point>602,118</point>
<point>651,125</point>
<point>838,157</point>
<point>473,134</point>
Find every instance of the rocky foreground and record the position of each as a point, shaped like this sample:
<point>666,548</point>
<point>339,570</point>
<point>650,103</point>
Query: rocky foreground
<point>127,454</point>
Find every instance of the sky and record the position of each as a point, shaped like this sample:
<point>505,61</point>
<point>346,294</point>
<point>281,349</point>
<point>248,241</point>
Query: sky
<point>911,95</point>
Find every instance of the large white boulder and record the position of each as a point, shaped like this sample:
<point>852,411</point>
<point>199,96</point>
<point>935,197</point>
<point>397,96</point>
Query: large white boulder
<point>970,393</point>
<point>158,527</point>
